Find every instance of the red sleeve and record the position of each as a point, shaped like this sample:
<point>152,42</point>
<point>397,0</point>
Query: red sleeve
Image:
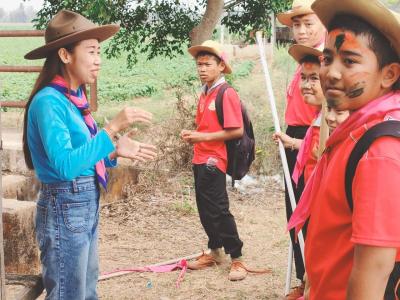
<point>232,109</point>
<point>376,187</point>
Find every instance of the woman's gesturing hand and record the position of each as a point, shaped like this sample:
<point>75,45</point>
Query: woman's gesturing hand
<point>129,148</point>
<point>127,117</point>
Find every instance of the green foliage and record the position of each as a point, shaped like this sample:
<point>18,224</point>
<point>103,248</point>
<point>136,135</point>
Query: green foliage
<point>162,27</point>
<point>156,28</point>
<point>245,17</point>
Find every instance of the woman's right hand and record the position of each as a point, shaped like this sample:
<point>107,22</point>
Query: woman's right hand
<point>127,117</point>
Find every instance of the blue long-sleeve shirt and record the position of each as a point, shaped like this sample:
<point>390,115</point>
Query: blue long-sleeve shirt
<point>59,140</point>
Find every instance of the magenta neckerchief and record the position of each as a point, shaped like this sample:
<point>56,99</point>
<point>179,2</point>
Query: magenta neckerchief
<point>79,100</point>
<point>304,154</point>
<point>376,109</point>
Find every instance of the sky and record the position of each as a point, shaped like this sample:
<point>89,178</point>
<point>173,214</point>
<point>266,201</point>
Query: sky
<point>9,5</point>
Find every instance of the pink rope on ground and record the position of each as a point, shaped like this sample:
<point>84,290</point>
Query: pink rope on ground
<point>181,265</point>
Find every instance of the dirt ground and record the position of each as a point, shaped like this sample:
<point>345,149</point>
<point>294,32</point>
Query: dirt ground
<point>163,224</point>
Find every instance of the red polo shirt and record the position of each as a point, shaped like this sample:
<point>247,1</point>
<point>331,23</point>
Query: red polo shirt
<point>298,113</point>
<point>207,121</point>
<point>334,229</point>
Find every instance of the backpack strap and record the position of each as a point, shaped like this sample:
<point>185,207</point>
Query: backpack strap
<point>219,104</point>
<point>386,128</point>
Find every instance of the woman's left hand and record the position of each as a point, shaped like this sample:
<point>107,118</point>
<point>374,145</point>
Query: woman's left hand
<point>129,148</point>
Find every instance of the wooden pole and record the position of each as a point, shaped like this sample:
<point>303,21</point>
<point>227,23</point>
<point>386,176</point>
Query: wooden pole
<point>324,130</point>
<point>2,271</point>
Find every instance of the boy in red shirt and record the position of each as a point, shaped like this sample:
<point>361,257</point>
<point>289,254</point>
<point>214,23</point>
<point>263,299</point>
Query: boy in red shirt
<point>308,31</point>
<point>311,91</point>
<point>210,159</point>
<point>350,253</point>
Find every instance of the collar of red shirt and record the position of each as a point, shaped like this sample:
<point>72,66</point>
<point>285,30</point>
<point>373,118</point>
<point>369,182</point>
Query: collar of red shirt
<point>205,90</point>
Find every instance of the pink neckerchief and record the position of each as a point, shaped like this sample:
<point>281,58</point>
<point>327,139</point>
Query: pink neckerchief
<point>376,109</point>
<point>80,101</point>
<point>304,153</point>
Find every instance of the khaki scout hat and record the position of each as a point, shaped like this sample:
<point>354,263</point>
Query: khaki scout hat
<point>299,7</point>
<point>214,48</point>
<point>298,52</point>
<point>68,27</point>
<point>372,11</point>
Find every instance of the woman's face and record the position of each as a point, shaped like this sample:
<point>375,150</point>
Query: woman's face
<point>83,62</point>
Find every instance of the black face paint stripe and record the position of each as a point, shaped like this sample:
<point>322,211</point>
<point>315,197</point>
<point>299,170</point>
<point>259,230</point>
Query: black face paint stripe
<point>339,41</point>
<point>356,90</point>
<point>355,93</point>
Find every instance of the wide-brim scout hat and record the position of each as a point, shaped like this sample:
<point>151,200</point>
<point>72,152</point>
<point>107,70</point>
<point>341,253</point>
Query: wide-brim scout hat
<point>372,11</point>
<point>299,7</point>
<point>214,48</point>
<point>298,52</point>
<point>68,27</point>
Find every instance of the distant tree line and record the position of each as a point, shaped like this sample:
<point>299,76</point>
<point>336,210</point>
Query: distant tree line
<point>23,14</point>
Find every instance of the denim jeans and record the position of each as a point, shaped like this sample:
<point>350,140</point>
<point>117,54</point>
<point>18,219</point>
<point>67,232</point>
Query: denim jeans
<point>67,233</point>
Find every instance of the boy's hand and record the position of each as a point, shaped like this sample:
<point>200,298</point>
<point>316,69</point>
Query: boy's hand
<point>192,136</point>
<point>286,140</point>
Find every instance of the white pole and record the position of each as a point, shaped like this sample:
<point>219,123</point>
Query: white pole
<point>289,269</point>
<point>274,111</point>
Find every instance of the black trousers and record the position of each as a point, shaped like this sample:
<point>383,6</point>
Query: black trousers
<point>297,132</point>
<point>213,206</point>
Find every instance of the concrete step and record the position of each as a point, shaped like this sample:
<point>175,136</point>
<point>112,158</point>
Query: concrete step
<point>20,187</point>
<point>21,253</point>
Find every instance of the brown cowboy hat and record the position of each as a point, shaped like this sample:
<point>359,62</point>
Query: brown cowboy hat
<point>68,27</point>
<point>298,52</point>
<point>214,48</point>
<point>374,12</point>
<point>299,7</point>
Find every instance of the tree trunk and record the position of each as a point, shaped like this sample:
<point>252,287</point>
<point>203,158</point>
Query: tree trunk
<point>204,30</point>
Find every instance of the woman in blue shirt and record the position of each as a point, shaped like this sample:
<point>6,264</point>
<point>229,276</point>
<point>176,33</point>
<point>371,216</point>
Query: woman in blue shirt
<point>70,154</point>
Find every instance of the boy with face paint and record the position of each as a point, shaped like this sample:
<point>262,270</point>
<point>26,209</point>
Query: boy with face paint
<point>310,87</point>
<point>350,253</point>
<point>307,31</point>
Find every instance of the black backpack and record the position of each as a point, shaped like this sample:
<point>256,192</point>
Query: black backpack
<point>387,128</point>
<point>241,151</point>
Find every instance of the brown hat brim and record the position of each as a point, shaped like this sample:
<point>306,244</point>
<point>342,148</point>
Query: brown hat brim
<point>372,11</point>
<point>286,18</point>
<point>101,33</point>
<point>298,52</point>
<point>194,50</point>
